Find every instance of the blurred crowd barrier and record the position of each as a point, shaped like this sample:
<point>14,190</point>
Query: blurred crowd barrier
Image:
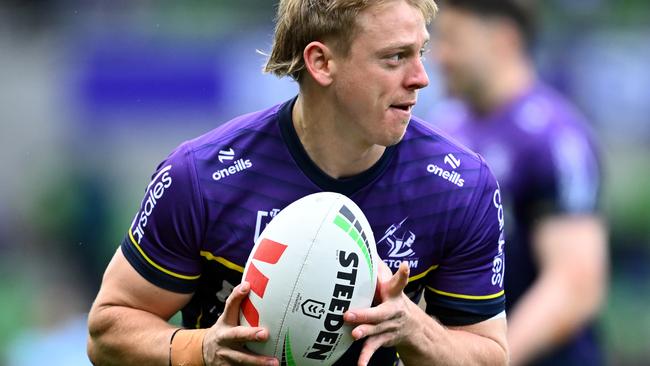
<point>94,94</point>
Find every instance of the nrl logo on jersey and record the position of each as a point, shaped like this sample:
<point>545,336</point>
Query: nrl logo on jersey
<point>400,242</point>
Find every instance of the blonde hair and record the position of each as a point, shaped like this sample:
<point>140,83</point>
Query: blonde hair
<point>300,22</point>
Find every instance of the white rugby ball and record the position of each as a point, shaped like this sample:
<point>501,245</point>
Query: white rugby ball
<point>315,260</point>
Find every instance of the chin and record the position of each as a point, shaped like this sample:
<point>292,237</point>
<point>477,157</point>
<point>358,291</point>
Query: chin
<point>393,142</point>
<point>395,137</point>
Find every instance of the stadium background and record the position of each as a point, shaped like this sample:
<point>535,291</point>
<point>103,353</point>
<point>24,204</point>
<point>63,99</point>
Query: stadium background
<point>94,94</point>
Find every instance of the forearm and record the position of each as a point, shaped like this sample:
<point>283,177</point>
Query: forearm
<point>550,312</point>
<point>124,336</point>
<point>573,269</point>
<point>433,343</point>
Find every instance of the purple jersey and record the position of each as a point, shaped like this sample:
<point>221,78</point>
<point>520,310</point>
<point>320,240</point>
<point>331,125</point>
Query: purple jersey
<point>544,157</point>
<point>431,203</point>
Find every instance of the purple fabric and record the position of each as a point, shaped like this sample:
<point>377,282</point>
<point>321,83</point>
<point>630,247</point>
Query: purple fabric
<point>430,202</point>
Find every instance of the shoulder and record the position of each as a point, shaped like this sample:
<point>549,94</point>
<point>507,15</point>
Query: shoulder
<point>545,113</point>
<point>432,164</point>
<point>554,127</point>
<point>223,151</point>
<point>426,140</point>
<point>237,130</point>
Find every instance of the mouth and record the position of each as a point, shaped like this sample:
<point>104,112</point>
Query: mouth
<point>404,106</point>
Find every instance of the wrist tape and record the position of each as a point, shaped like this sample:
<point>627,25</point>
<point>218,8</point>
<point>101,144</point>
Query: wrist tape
<point>186,347</point>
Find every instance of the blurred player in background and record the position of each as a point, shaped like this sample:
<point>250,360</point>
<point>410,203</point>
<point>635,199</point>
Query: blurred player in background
<point>546,162</point>
<point>350,130</point>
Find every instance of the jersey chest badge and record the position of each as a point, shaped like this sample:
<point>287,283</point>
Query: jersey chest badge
<point>398,240</point>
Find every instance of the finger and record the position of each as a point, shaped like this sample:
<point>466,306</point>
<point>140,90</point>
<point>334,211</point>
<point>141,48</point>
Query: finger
<point>242,334</point>
<point>231,311</point>
<point>368,330</point>
<point>245,358</point>
<point>398,282</point>
<point>372,315</point>
<point>384,271</point>
<point>384,275</point>
<point>370,346</point>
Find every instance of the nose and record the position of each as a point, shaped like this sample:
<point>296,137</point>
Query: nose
<point>417,77</point>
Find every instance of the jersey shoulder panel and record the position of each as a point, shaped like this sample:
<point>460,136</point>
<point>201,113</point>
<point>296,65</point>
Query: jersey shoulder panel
<point>437,138</point>
<point>454,190</point>
<point>164,239</point>
<point>167,239</point>
<point>260,122</point>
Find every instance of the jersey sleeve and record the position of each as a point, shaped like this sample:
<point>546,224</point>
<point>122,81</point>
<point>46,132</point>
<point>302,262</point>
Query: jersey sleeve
<point>567,181</point>
<point>467,286</point>
<point>164,240</point>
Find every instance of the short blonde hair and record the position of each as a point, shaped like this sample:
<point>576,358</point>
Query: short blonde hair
<point>300,22</point>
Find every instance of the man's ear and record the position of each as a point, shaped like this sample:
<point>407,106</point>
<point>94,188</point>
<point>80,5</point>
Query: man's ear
<point>319,62</point>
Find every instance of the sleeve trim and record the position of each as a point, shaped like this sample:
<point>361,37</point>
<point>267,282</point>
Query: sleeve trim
<point>468,297</point>
<point>228,264</point>
<point>156,265</point>
<point>418,276</point>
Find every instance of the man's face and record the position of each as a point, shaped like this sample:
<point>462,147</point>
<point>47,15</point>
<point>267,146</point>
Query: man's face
<point>375,86</point>
<point>463,45</point>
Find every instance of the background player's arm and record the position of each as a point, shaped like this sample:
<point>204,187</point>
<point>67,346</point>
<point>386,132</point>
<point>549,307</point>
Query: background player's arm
<point>572,256</point>
<point>420,339</point>
<point>128,323</point>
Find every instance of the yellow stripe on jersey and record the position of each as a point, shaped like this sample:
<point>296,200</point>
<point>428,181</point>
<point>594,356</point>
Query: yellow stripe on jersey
<point>418,276</point>
<point>177,275</point>
<point>209,256</point>
<point>468,297</point>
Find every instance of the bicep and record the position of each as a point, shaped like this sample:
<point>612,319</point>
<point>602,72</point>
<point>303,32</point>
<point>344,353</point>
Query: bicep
<point>571,241</point>
<point>123,286</point>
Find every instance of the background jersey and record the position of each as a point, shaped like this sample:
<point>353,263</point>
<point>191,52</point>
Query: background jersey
<point>430,202</point>
<point>544,158</point>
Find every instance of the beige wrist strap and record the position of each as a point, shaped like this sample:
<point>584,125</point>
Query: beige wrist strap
<point>186,348</point>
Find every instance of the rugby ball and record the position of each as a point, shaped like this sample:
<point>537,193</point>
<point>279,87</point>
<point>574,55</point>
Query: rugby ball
<point>315,260</point>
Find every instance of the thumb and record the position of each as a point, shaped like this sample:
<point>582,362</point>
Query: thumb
<point>398,282</point>
<point>230,314</point>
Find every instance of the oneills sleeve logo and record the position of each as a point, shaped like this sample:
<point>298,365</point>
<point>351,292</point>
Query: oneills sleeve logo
<point>452,161</point>
<point>453,176</point>
<point>268,252</point>
<point>226,155</point>
<point>236,167</point>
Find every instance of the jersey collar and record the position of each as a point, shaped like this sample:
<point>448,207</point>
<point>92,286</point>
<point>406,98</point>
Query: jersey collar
<point>346,186</point>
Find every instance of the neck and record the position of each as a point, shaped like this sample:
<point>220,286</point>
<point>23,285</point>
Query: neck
<point>509,81</point>
<point>328,139</point>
